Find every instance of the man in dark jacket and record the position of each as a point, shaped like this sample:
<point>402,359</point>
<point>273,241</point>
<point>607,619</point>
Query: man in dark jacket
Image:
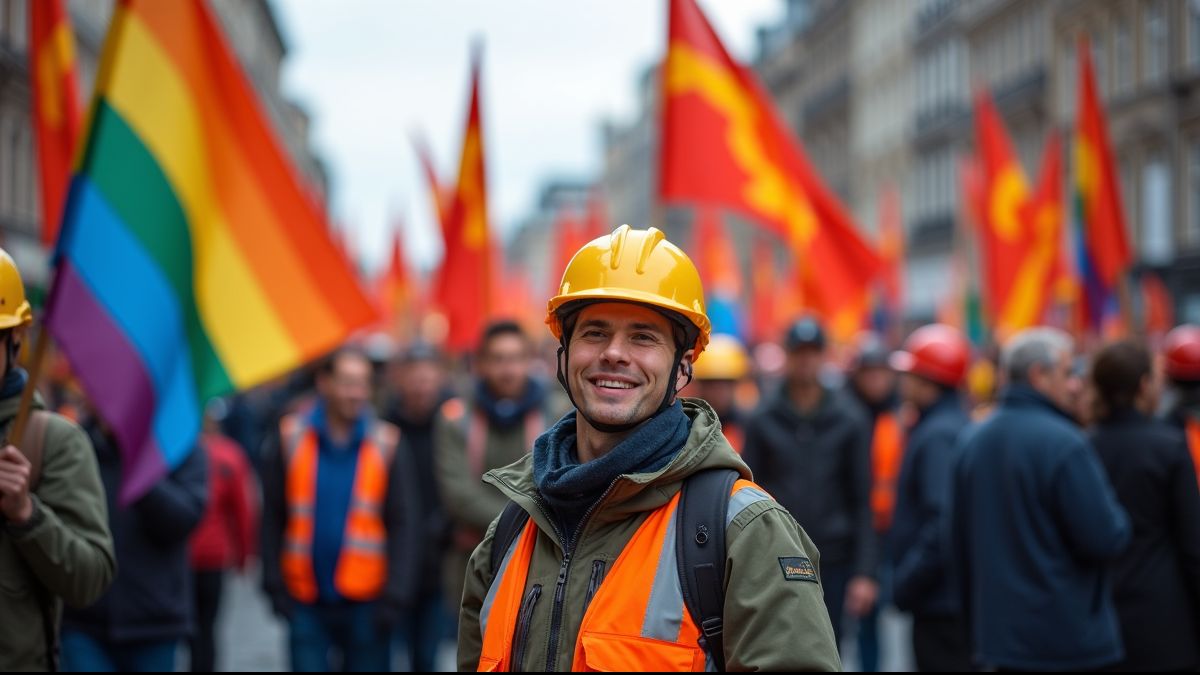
<point>1035,522</point>
<point>934,364</point>
<point>339,533</point>
<point>419,389</point>
<point>809,447</point>
<point>138,624</point>
<point>1156,583</point>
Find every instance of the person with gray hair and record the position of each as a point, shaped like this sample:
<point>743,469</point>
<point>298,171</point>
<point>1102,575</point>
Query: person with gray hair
<point>1034,522</point>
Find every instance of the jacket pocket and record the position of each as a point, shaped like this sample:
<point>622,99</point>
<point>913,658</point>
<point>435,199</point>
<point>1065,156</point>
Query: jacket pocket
<point>521,635</point>
<point>626,653</point>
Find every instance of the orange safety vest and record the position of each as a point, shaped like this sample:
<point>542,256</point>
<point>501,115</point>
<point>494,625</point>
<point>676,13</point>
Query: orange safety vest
<point>637,620</point>
<point>1193,441</point>
<point>887,452</point>
<point>362,564</point>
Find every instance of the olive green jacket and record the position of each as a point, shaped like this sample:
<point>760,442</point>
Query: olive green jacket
<point>66,551</point>
<point>771,622</point>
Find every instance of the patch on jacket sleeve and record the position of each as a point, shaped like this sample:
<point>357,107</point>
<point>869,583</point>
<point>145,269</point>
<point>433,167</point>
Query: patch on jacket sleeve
<point>798,569</point>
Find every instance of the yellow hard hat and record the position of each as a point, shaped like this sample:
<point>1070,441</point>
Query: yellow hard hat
<point>14,307</point>
<point>634,266</point>
<point>725,359</point>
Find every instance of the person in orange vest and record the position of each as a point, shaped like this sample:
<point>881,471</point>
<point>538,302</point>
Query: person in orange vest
<point>873,384</point>
<point>717,376</point>
<point>1181,353</point>
<point>340,536</point>
<point>595,564</point>
<point>933,364</point>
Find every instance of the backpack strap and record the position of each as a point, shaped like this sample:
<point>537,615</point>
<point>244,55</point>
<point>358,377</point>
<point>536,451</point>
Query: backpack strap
<point>700,549</point>
<point>512,522</point>
<point>33,445</point>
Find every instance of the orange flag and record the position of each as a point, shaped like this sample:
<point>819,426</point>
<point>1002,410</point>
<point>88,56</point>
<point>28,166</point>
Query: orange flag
<point>891,252</point>
<point>439,195</point>
<point>716,256</point>
<point>466,278</point>
<point>55,97</point>
<point>723,144</point>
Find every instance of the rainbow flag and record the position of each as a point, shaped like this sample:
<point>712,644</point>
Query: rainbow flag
<point>192,262</point>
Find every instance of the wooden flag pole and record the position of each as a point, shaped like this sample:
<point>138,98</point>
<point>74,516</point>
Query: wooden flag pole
<point>17,430</point>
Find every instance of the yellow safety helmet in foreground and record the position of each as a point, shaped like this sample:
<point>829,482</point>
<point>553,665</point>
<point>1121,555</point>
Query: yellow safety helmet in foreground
<point>14,306</point>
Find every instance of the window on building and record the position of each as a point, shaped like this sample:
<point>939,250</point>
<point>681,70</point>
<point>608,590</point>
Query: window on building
<point>1154,47</point>
<point>1123,57</point>
<point>1192,234</point>
<point>1193,33</point>
<point>1156,236</point>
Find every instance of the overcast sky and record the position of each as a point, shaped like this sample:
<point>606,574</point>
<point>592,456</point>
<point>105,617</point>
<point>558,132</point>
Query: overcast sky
<point>372,72</point>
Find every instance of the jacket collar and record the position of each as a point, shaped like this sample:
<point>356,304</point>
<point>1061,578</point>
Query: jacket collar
<point>1023,396</point>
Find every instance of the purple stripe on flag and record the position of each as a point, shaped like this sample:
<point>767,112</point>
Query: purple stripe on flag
<point>109,367</point>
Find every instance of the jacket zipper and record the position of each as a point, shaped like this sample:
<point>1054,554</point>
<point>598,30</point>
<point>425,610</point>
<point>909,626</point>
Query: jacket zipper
<point>564,571</point>
<point>594,583</point>
<point>521,636</point>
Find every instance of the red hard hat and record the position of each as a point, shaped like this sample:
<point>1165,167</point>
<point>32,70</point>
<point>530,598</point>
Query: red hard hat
<point>1182,352</point>
<point>936,352</point>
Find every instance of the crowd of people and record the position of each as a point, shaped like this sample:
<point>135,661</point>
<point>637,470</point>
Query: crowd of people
<point>537,509</point>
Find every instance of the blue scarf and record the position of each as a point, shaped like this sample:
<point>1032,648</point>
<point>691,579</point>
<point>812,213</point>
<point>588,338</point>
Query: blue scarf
<point>506,413</point>
<point>14,382</point>
<point>571,488</point>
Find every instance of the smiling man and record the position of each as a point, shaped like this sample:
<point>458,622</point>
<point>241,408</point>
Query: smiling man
<point>587,568</point>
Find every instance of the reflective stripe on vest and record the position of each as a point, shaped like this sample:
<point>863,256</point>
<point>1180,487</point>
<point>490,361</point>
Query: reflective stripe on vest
<point>631,625</point>
<point>887,452</point>
<point>361,570</point>
<point>1193,441</point>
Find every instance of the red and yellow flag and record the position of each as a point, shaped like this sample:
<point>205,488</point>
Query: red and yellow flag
<point>1041,266</point>
<point>55,97</point>
<point>724,145</point>
<point>1104,254</point>
<point>439,194</point>
<point>466,279</point>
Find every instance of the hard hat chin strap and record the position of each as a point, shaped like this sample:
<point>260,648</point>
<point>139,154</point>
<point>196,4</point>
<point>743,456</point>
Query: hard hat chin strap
<point>11,349</point>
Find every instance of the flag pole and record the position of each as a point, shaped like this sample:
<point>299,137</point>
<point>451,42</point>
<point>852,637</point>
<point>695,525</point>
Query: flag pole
<point>17,430</point>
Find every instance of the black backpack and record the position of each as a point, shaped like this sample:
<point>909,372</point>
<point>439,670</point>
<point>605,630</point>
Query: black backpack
<point>699,547</point>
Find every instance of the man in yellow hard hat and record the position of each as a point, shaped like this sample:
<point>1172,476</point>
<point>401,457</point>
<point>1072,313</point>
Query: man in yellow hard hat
<point>717,377</point>
<point>629,510</point>
<point>55,544</point>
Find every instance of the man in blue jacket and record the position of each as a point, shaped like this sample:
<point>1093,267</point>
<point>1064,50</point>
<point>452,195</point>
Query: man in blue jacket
<point>934,366</point>
<point>1034,522</point>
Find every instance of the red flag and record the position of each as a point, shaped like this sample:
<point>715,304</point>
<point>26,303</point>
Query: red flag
<point>1099,194</point>
<point>716,257</point>
<point>439,195</point>
<point>394,292</point>
<point>55,98</point>
<point>723,144</point>
<point>764,283</point>
<point>1005,191</point>
<point>569,236</point>
<point>1159,307</point>
<point>466,279</point>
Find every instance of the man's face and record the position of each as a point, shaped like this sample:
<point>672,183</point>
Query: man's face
<point>918,391</point>
<point>875,383</point>
<point>619,365</point>
<point>804,365</point>
<point>421,383</point>
<point>348,388</point>
<point>1058,383</point>
<point>720,394</point>
<point>504,365</point>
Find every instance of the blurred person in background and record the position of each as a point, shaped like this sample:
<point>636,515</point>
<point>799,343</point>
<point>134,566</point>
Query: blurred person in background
<point>492,427</point>
<point>717,376</point>
<point>1156,582</point>
<point>933,364</point>
<point>339,533</point>
<point>225,538</point>
<point>872,383</point>
<point>1181,409</point>
<point>138,624</point>
<point>1035,523</point>
<point>56,547</point>
<point>810,448</point>
<point>417,389</point>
